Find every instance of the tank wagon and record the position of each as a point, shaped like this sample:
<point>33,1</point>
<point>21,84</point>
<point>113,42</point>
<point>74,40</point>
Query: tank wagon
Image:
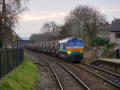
<point>71,49</point>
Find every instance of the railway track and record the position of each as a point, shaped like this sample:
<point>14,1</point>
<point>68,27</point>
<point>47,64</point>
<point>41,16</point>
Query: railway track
<point>84,73</point>
<point>76,84</point>
<point>111,76</point>
<point>107,84</point>
<point>56,76</point>
<point>113,67</point>
<point>103,75</point>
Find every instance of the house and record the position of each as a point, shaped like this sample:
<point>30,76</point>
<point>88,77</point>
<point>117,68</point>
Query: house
<point>115,31</point>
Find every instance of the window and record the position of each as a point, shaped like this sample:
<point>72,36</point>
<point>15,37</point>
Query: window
<point>117,35</point>
<point>71,43</point>
<point>78,43</point>
<point>75,43</point>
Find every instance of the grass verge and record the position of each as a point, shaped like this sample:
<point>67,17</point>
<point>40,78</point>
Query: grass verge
<point>23,78</point>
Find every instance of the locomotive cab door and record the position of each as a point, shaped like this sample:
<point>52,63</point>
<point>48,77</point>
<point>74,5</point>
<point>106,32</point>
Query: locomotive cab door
<point>62,50</point>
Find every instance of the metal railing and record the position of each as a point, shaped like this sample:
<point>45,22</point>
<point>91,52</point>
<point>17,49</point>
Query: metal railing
<point>10,59</point>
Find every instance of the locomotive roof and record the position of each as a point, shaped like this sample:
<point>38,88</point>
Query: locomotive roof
<point>69,38</point>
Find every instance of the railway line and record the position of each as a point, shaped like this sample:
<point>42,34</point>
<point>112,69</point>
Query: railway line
<point>108,66</point>
<point>92,78</point>
<point>64,75</point>
<point>113,80</point>
<point>107,75</point>
<point>65,79</point>
<point>111,76</point>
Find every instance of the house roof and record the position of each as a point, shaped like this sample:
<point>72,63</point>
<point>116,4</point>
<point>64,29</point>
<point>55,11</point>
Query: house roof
<point>115,26</point>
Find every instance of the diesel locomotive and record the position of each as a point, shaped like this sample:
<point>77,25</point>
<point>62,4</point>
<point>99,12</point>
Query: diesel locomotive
<point>71,49</point>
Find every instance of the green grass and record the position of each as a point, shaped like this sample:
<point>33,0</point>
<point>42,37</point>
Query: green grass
<point>23,78</point>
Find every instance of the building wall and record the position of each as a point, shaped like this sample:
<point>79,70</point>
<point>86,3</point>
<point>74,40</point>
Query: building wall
<point>104,34</point>
<point>113,39</point>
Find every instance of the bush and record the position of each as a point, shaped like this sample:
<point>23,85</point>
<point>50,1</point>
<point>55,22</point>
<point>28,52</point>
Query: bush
<point>99,42</point>
<point>103,43</point>
<point>111,45</point>
<point>105,48</point>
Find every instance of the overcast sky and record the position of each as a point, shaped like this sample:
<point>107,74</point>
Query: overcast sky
<point>41,11</point>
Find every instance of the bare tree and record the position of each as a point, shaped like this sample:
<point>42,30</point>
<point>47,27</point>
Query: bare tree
<point>84,22</point>
<point>9,12</point>
<point>49,32</point>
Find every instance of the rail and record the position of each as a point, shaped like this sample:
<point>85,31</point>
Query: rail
<point>71,73</point>
<point>114,74</point>
<point>99,76</point>
<point>59,83</point>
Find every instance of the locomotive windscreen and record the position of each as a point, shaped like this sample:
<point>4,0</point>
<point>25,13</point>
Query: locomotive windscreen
<point>72,43</point>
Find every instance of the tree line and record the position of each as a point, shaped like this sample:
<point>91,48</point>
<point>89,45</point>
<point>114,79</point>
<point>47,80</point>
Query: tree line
<point>84,22</point>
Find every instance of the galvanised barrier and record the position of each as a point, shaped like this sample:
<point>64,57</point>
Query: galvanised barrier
<point>10,59</point>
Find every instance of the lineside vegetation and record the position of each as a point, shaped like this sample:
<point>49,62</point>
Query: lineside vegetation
<point>23,78</point>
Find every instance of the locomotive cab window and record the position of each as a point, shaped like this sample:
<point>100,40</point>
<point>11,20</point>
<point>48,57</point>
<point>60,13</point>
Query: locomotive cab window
<point>75,43</point>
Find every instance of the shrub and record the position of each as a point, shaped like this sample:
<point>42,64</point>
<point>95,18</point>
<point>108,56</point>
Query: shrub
<point>111,45</point>
<point>105,48</point>
<point>99,42</point>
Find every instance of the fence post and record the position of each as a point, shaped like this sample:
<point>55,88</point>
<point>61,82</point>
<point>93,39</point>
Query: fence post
<point>0,65</point>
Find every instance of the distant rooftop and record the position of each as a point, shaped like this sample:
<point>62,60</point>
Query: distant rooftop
<point>115,26</point>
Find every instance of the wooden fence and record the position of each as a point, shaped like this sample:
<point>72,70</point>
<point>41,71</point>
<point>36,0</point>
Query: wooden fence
<point>10,59</point>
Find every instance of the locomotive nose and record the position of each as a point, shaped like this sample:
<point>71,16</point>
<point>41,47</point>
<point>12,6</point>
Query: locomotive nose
<point>75,50</point>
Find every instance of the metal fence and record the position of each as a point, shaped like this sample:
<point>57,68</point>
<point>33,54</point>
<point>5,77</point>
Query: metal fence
<point>10,59</point>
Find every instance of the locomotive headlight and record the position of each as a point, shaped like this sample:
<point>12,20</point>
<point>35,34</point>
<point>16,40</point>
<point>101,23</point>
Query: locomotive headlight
<point>80,51</point>
<point>69,52</point>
